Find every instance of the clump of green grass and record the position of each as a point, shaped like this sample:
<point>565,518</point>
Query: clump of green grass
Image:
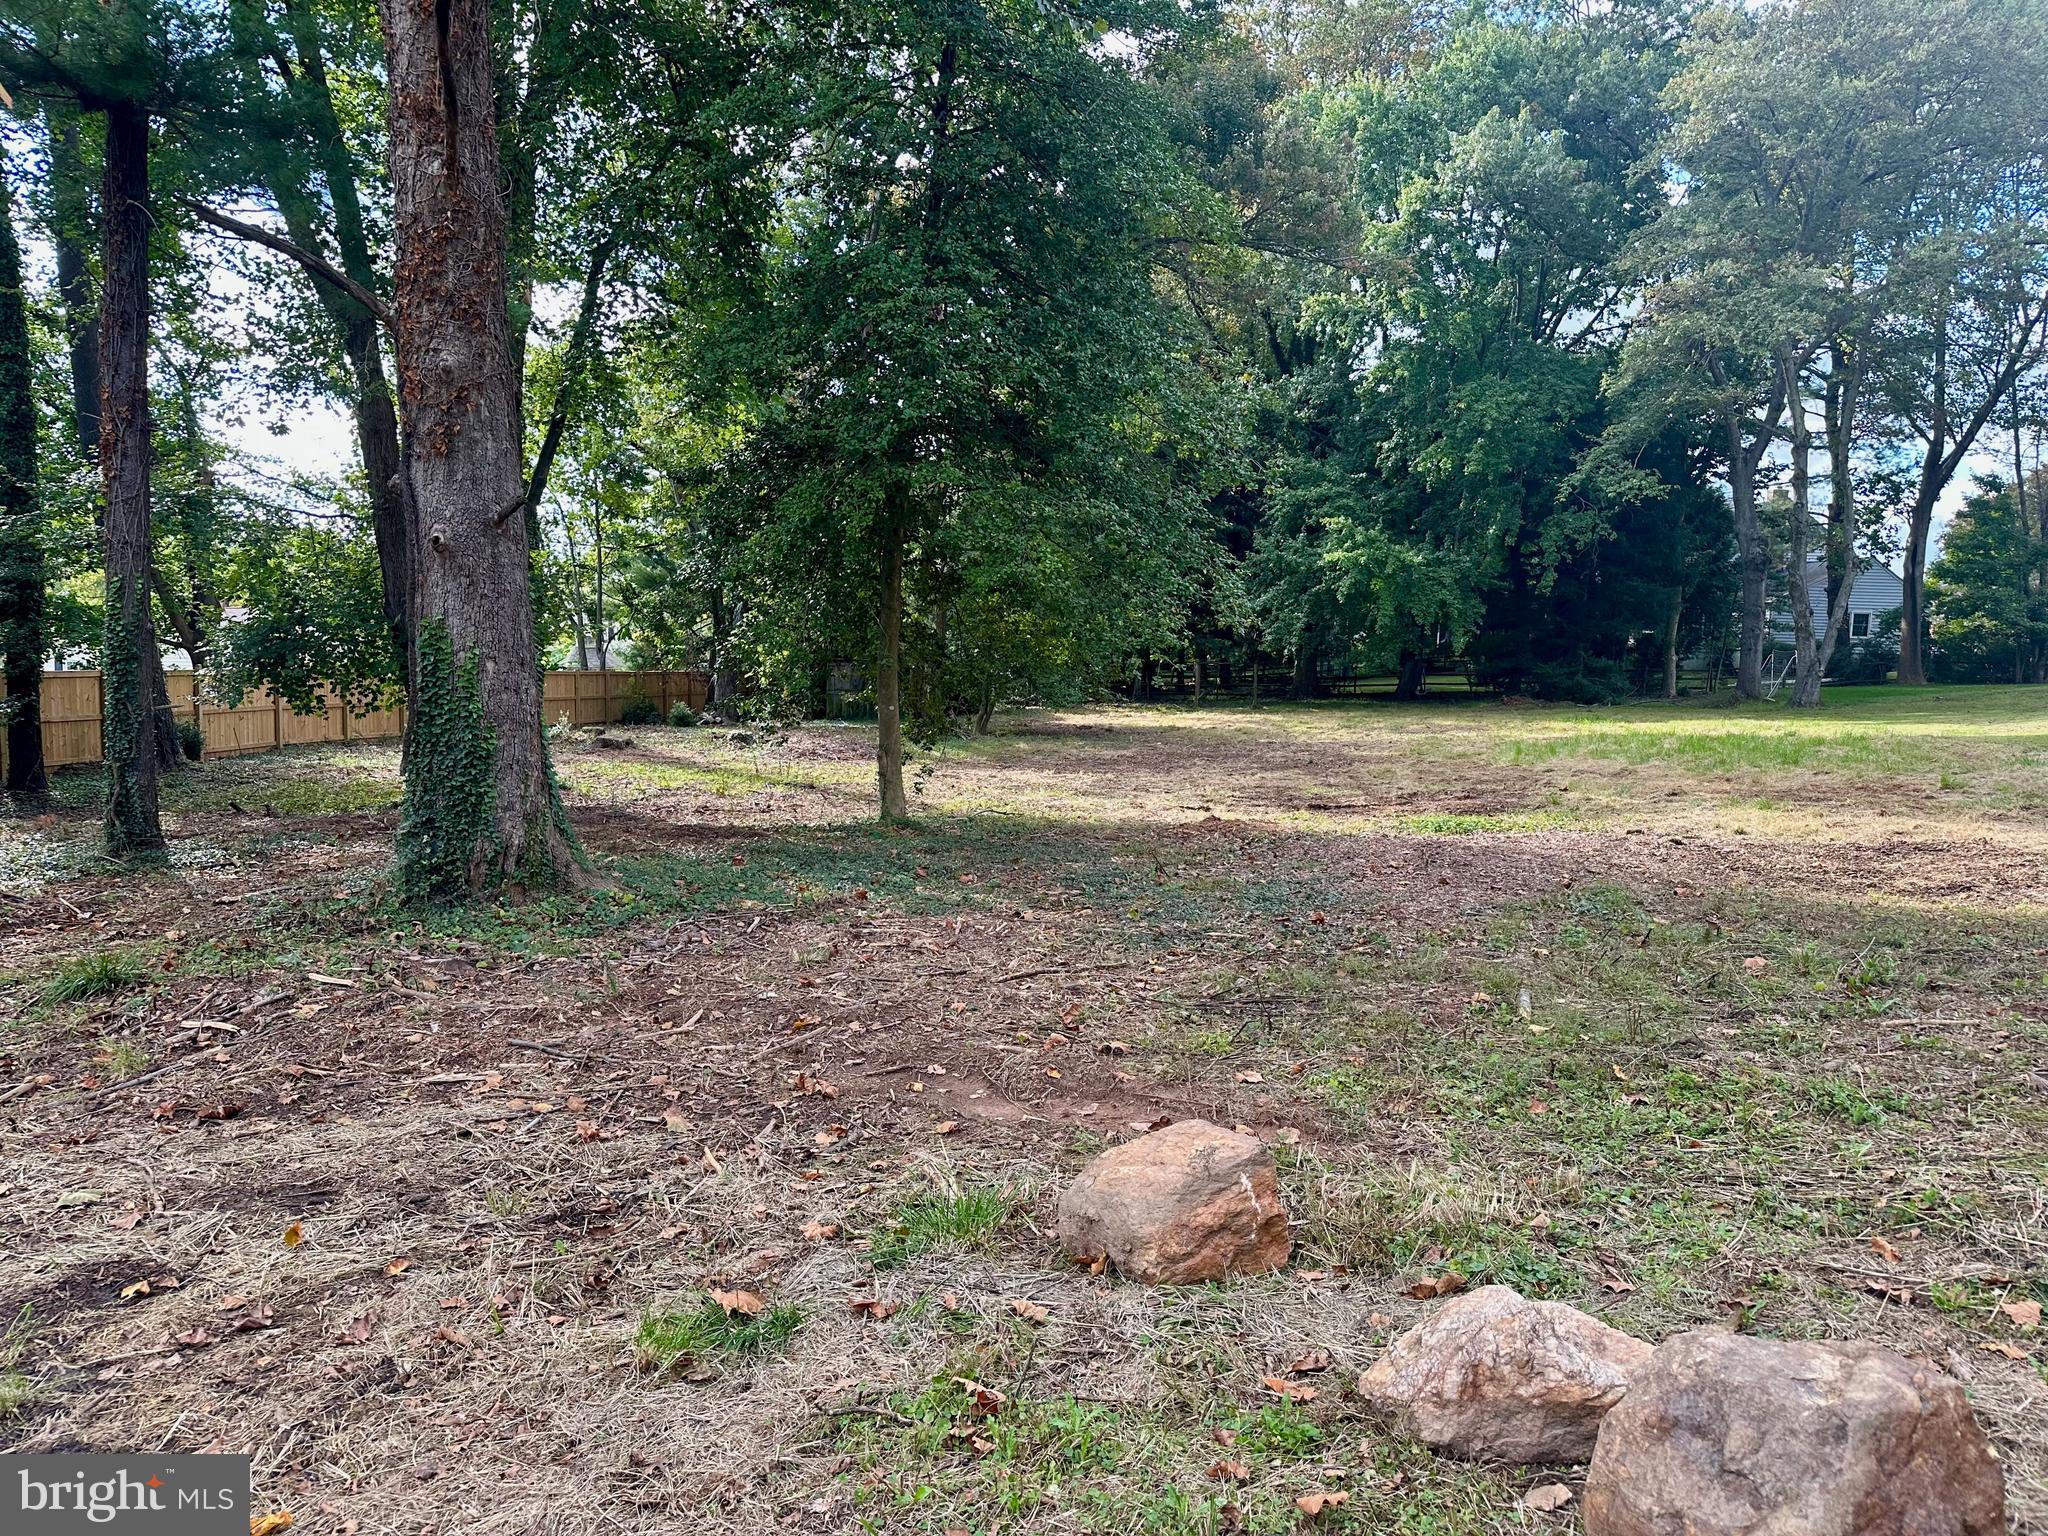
<point>124,1059</point>
<point>665,1339</point>
<point>16,1390</point>
<point>94,975</point>
<point>960,1219</point>
<point>1458,825</point>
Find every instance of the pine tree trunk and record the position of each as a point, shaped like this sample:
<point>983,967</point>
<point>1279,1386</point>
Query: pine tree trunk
<point>128,652</point>
<point>24,568</point>
<point>481,808</point>
<point>889,672</point>
<point>72,234</point>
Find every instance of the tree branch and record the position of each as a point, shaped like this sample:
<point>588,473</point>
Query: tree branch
<point>326,271</point>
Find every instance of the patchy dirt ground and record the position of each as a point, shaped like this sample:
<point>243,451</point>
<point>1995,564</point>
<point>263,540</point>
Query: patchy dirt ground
<point>1687,1015</point>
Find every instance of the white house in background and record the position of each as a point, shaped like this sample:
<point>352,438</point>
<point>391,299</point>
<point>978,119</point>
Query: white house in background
<point>1878,590</point>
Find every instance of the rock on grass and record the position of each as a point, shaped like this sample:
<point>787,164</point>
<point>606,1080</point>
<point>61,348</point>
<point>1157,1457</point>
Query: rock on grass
<point>1495,1377</point>
<point>1189,1203</point>
<point>1722,1434</point>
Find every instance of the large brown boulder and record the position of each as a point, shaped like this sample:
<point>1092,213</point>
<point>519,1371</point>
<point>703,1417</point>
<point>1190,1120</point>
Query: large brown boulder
<point>1495,1377</point>
<point>1189,1203</point>
<point>1723,1435</point>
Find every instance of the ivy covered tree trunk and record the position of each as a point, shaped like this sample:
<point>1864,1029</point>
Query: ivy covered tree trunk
<point>481,807</point>
<point>128,657</point>
<point>24,637</point>
<point>889,673</point>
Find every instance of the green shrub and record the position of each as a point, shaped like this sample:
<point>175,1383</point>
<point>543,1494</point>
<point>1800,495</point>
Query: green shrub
<point>191,739</point>
<point>681,714</point>
<point>639,710</point>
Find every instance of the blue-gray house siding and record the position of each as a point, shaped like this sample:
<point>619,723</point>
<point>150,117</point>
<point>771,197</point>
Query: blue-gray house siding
<point>1878,590</point>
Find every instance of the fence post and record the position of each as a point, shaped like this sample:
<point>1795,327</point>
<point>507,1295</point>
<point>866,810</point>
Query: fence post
<point>276,720</point>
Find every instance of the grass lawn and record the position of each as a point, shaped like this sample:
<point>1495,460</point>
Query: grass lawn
<point>1687,1014</point>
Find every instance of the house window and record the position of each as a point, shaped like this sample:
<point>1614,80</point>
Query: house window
<point>1859,626</point>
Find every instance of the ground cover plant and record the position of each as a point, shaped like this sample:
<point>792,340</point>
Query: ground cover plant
<point>720,1193</point>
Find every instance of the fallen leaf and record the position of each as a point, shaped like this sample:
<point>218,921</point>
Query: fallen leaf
<point>398,1266</point>
<point>1293,1392</point>
<point>256,1317</point>
<point>820,1231</point>
<point>1030,1311</point>
<point>1446,1284</point>
<point>948,1127</point>
<point>2003,1347</point>
<point>1228,1471</point>
<point>270,1524</point>
<point>194,1338</point>
<point>1314,1504</point>
<point>736,1303</point>
<point>1884,1249</point>
<point>1548,1496</point>
<point>675,1119</point>
<point>1314,1360</point>
<point>294,1235</point>
<point>871,1306</point>
<point>1756,965</point>
<point>987,1400</point>
<point>359,1330</point>
<point>2025,1315</point>
<point>949,1300</point>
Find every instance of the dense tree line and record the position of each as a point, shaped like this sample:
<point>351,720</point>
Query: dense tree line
<point>952,352</point>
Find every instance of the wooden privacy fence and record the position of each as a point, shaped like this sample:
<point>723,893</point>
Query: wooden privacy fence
<point>262,721</point>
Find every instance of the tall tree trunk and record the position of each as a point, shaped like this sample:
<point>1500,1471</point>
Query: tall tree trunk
<point>1408,683</point>
<point>1303,684</point>
<point>1671,642</point>
<point>1744,455</point>
<point>1913,601</point>
<point>1753,560</point>
<point>24,566</point>
<point>889,668</point>
<point>72,234</point>
<point>481,808</point>
<point>128,650</point>
<point>1806,684</point>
